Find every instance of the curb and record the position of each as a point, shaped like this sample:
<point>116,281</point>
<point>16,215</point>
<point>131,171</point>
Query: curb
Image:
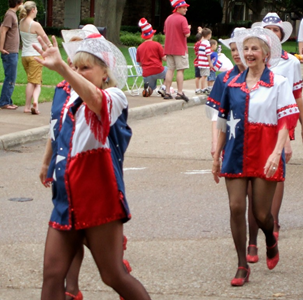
<point>11,140</point>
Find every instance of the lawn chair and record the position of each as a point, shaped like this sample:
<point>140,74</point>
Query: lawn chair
<point>135,72</point>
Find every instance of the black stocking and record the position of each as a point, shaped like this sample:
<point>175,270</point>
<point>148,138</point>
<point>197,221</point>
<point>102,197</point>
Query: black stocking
<point>237,189</point>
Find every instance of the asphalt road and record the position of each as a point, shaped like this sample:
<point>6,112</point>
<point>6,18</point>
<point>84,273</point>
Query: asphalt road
<point>180,246</point>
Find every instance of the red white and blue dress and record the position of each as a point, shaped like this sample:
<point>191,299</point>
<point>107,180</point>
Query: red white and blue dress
<point>252,120</point>
<point>86,168</point>
<point>214,98</point>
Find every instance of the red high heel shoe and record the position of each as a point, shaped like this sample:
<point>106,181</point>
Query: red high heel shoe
<point>276,233</point>
<point>252,258</point>
<point>79,296</point>
<point>241,281</point>
<point>272,262</point>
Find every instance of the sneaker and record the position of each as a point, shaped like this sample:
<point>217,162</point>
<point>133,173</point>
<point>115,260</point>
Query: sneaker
<point>198,91</point>
<point>162,92</point>
<point>147,91</point>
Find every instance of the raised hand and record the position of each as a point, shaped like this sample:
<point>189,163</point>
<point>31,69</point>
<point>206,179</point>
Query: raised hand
<point>51,57</point>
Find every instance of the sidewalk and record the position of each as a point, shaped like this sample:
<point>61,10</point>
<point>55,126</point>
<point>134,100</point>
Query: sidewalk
<point>18,128</point>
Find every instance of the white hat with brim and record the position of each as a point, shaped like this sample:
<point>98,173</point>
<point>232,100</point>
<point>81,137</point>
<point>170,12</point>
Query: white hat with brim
<point>267,36</point>
<point>104,50</point>
<point>272,19</point>
<point>227,42</point>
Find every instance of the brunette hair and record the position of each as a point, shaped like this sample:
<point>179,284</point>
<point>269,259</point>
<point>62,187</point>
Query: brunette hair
<point>206,32</point>
<point>14,3</point>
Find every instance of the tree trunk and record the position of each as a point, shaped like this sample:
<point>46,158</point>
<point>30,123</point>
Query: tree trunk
<point>109,14</point>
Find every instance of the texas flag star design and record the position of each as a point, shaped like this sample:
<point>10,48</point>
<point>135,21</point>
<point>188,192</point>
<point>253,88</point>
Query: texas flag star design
<point>232,124</point>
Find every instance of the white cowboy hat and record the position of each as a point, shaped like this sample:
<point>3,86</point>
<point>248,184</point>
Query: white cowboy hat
<point>227,42</point>
<point>103,49</point>
<point>267,36</point>
<point>274,19</point>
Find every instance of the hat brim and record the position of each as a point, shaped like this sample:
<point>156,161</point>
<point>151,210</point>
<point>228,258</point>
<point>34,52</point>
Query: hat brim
<point>286,27</point>
<point>148,36</point>
<point>227,42</point>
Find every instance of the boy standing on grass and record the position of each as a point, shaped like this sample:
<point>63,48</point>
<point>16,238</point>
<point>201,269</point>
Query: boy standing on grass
<point>216,64</point>
<point>197,70</point>
<point>204,60</point>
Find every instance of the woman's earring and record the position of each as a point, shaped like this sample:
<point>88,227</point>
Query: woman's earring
<point>106,80</point>
<point>266,60</point>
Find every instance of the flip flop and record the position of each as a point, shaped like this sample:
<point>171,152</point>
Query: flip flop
<point>11,107</point>
<point>34,111</point>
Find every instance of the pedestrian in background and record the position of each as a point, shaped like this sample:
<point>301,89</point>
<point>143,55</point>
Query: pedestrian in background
<point>150,55</point>
<point>290,68</point>
<point>197,70</point>
<point>9,48</point>
<point>214,99</point>
<point>300,38</point>
<point>214,57</point>
<point>204,60</point>
<point>29,31</point>
<point>176,30</point>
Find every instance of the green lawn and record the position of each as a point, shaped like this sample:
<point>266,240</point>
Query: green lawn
<point>50,78</point>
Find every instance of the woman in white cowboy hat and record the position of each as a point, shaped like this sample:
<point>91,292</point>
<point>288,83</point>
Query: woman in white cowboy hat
<point>89,137</point>
<point>256,112</point>
<point>213,100</point>
<point>289,67</point>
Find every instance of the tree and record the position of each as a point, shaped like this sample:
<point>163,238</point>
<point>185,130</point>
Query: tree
<point>109,14</point>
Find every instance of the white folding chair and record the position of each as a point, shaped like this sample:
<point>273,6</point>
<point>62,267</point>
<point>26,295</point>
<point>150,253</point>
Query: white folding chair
<point>135,72</point>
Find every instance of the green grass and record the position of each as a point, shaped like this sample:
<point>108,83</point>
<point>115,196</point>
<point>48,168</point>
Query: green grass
<point>50,78</point>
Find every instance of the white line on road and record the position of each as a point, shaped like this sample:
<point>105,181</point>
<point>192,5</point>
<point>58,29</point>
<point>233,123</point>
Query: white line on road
<point>133,169</point>
<point>197,172</point>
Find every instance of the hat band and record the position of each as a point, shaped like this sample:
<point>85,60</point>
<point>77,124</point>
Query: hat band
<point>148,33</point>
<point>181,4</point>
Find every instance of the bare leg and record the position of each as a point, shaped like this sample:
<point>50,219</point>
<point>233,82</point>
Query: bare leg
<point>72,277</point>
<point>60,249</point>
<point>169,79</point>
<point>28,96</point>
<point>106,245</point>
<point>180,76</point>
<point>276,204</point>
<point>237,189</point>
<point>36,94</point>
<point>197,81</point>
<point>262,196</point>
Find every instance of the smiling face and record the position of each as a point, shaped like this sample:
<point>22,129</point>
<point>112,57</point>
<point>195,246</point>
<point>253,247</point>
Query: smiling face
<point>256,52</point>
<point>235,53</point>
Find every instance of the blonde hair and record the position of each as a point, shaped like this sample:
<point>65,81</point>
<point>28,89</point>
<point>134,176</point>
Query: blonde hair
<point>82,58</point>
<point>264,46</point>
<point>26,8</point>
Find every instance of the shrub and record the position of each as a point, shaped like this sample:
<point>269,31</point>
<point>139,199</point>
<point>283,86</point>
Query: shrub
<point>131,29</point>
<point>54,30</point>
<point>87,21</point>
<point>130,39</point>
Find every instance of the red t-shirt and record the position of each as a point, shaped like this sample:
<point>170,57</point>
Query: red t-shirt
<point>149,55</point>
<point>175,29</point>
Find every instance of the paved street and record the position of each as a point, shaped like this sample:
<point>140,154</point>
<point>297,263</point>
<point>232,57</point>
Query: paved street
<point>180,246</point>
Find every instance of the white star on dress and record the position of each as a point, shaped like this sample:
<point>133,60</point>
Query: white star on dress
<point>58,159</point>
<point>232,125</point>
<point>51,129</point>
